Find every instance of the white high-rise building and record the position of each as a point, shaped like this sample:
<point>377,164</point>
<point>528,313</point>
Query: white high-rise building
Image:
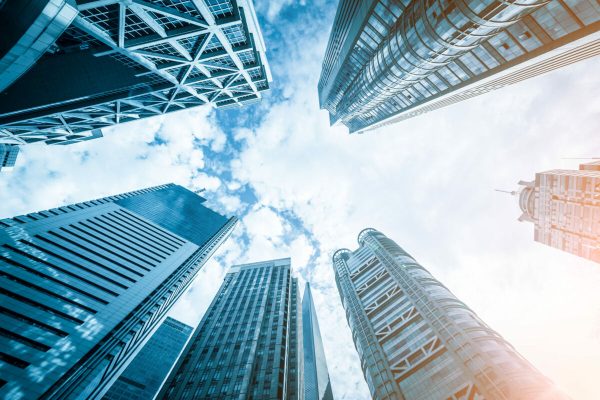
<point>564,206</point>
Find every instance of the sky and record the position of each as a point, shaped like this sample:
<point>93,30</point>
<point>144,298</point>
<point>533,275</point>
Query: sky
<point>303,189</point>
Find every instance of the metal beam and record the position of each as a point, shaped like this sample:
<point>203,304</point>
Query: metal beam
<point>169,12</point>
<point>148,20</point>
<point>96,4</point>
<point>122,12</point>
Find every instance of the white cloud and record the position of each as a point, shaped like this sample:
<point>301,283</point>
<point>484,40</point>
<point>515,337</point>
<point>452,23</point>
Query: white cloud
<point>272,8</point>
<point>192,306</point>
<point>427,183</point>
<point>232,204</point>
<point>264,222</point>
<point>123,160</point>
<point>205,181</point>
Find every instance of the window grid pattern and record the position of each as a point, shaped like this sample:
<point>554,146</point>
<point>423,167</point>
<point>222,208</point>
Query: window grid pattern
<point>246,344</point>
<point>88,277</point>
<point>384,95</point>
<point>416,340</point>
<point>564,208</point>
<point>144,375</point>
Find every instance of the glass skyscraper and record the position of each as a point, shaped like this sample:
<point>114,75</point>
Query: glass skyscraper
<point>416,340</point>
<point>8,156</point>
<point>317,385</point>
<point>564,206</point>
<point>247,345</point>
<point>69,68</point>
<point>387,61</point>
<point>84,286</point>
<point>145,374</point>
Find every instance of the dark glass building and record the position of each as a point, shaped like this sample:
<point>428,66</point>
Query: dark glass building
<point>84,286</point>
<point>417,341</point>
<point>387,60</point>
<point>317,385</point>
<point>247,345</point>
<point>69,68</point>
<point>144,376</point>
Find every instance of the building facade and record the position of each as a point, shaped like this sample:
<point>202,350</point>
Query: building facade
<point>247,345</point>
<point>387,61</point>
<point>564,206</point>
<point>69,68</point>
<point>416,340</point>
<point>8,156</point>
<point>317,385</point>
<point>84,286</point>
<point>145,374</point>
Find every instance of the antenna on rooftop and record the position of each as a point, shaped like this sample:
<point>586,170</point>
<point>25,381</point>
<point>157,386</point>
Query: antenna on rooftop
<point>512,193</point>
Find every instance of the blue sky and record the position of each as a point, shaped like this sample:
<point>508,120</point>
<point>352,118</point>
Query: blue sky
<point>304,189</point>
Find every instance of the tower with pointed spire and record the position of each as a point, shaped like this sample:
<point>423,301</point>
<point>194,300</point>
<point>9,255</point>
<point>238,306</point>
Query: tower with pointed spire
<point>317,385</point>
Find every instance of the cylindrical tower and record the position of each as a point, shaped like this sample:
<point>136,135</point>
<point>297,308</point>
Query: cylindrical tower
<point>429,35</point>
<point>431,343</point>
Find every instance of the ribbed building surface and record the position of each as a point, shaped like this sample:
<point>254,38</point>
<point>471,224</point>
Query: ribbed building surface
<point>145,374</point>
<point>317,385</point>
<point>564,206</point>
<point>69,68</point>
<point>417,341</point>
<point>387,60</point>
<point>247,345</point>
<point>84,286</point>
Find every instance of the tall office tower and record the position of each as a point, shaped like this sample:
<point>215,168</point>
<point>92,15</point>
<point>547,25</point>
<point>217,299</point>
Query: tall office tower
<point>247,344</point>
<point>145,374</point>
<point>387,61</point>
<point>82,287</point>
<point>317,385</point>
<point>8,156</point>
<point>416,340</point>
<point>564,206</point>
<point>71,67</point>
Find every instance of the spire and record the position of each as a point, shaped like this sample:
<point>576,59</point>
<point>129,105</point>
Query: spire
<point>512,193</point>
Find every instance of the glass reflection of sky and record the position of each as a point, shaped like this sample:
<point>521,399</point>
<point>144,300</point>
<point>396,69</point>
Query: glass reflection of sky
<point>177,210</point>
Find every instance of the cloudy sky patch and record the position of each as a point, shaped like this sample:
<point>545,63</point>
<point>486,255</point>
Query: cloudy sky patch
<point>304,189</point>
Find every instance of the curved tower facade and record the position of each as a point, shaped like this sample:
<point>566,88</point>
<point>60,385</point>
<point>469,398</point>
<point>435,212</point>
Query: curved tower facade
<point>417,341</point>
<point>387,61</point>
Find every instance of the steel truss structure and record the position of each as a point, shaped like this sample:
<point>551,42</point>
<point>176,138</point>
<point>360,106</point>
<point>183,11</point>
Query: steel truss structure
<point>187,52</point>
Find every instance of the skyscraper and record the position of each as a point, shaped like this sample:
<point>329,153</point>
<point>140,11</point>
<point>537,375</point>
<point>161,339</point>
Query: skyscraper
<point>71,67</point>
<point>82,287</point>
<point>387,61</point>
<point>8,156</point>
<point>416,340</point>
<point>564,206</point>
<point>247,344</point>
<point>317,385</point>
<point>145,374</point>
